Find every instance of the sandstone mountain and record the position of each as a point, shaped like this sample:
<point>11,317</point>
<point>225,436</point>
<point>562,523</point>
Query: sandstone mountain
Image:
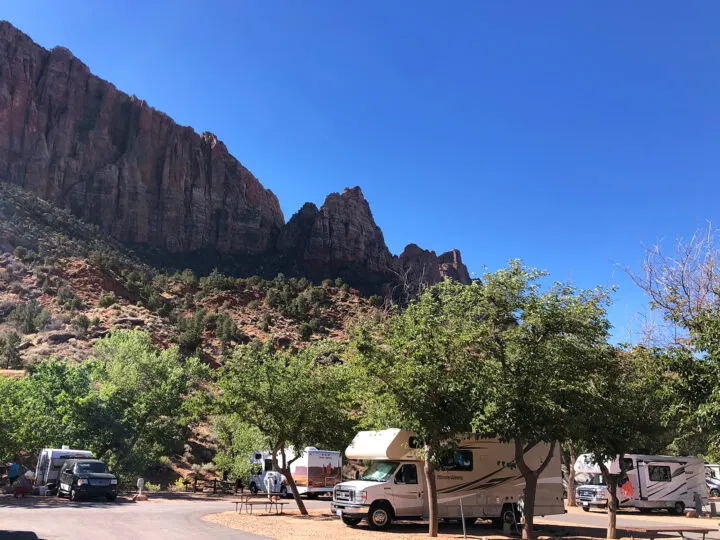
<point>75,140</point>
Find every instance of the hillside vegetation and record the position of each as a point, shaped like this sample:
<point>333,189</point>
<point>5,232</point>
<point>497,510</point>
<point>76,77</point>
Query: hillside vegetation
<point>65,283</point>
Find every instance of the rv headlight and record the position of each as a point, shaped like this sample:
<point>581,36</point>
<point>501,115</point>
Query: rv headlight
<point>362,496</point>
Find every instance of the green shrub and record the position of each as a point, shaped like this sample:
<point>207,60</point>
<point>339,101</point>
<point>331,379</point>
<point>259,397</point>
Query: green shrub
<point>226,329</point>
<point>345,288</point>
<point>9,355</point>
<point>305,331</point>
<point>327,282</point>
<point>81,322</point>
<point>29,317</point>
<point>106,300</point>
<point>190,331</point>
<point>375,300</point>
<point>339,282</point>
<point>253,304</point>
<point>21,252</point>
<point>273,298</point>
<point>216,281</point>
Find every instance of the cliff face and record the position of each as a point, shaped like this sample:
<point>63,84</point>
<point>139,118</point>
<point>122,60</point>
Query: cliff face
<point>74,139</point>
<point>342,234</point>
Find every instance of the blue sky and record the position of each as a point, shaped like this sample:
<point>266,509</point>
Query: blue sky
<point>564,133</point>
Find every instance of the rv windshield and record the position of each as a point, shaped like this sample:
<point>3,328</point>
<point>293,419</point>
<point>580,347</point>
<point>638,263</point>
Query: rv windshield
<point>379,471</point>
<point>597,480</point>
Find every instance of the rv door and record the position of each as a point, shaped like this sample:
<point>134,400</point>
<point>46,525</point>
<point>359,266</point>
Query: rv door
<point>408,490</point>
<point>658,479</point>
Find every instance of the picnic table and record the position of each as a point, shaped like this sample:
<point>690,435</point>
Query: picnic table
<point>652,532</point>
<point>249,504</point>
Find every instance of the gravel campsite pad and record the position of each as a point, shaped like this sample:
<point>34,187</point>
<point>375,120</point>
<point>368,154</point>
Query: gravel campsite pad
<point>321,524</point>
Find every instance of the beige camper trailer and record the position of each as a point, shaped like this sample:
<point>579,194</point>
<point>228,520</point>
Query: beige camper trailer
<point>478,481</point>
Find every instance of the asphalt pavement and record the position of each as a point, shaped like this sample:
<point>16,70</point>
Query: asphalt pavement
<point>177,517</point>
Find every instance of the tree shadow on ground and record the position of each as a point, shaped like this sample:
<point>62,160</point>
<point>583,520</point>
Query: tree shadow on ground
<point>18,535</point>
<point>8,501</point>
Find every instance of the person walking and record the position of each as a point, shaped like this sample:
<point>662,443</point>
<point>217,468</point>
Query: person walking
<point>13,471</point>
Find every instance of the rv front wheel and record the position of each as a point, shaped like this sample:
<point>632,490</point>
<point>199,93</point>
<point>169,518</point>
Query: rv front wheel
<point>380,517</point>
<point>350,522</point>
<point>679,508</point>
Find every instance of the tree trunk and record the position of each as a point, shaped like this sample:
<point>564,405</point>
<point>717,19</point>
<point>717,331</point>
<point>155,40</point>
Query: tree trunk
<point>612,506</point>
<point>571,476</point>
<point>296,494</point>
<point>431,490</point>
<point>531,478</point>
<point>529,505</point>
<point>285,470</point>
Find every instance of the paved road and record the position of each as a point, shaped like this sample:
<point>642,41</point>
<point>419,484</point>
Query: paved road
<point>62,520</point>
<point>52,519</point>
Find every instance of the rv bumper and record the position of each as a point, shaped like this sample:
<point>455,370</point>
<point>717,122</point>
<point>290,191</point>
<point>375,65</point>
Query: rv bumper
<point>345,509</point>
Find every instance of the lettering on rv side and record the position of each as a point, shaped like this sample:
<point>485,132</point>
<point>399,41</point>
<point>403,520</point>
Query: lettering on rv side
<point>449,477</point>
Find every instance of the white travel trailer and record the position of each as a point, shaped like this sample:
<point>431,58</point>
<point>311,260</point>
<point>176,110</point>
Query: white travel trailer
<point>315,472</point>
<point>51,460</point>
<point>478,481</point>
<point>653,483</point>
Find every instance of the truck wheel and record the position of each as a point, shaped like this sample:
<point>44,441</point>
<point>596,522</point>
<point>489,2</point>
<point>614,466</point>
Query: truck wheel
<point>253,488</point>
<point>679,508</point>
<point>586,508</point>
<point>350,521</point>
<point>110,498</point>
<point>73,495</point>
<point>380,516</point>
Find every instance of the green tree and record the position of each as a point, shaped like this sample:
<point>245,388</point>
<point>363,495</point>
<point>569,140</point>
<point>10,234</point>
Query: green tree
<point>236,440</point>
<point>537,348</point>
<point>293,400</point>
<point>415,372</point>
<point>8,350</point>
<point>29,317</point>
<point>150,395</point>
<point>623,413</point>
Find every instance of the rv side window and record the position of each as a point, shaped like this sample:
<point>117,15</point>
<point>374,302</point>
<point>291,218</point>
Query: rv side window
<point>628,463</point>
<point>460,460</point>
<point>659,473</point>
<point>268,465</point>
<point>406,475</point>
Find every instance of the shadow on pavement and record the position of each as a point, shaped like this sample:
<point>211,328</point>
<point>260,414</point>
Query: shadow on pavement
<point>8,501</point>
<point>18,535</point>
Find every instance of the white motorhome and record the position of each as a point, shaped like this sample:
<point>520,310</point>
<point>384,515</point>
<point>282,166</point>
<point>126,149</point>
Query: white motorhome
<point>712,470</point>
<point>315,472</point>
<point>478,481</point>
<point>51,460</point>
<point>652,483</point>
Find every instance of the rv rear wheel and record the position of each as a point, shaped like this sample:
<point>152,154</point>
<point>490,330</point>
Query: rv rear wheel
<point>679,508</point>
<point>283,492</point>
<point>350,521</point>
<point>380,516</point>
<point>469,522</point>
<point>715,492</point>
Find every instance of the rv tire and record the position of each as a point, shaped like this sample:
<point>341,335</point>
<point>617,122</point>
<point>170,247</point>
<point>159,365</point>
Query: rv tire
<point>284,492</point>
<point>715,492</point>
<point>350,521</point>
<point>253,488</point>
<point>586,508</point>
<point>380,516</point>
<point>645,510</point>
<point>469,522</point>
<point>679,508</point>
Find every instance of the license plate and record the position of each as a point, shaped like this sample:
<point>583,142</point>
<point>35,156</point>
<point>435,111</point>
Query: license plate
<point>338,512</point>
<point>586,504</point>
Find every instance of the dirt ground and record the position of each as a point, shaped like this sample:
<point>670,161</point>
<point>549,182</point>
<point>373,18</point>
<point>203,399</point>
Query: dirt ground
<point>321,525</point>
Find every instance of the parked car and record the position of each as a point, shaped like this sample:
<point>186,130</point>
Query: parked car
<point>713,486</point>
<point>87,478</point>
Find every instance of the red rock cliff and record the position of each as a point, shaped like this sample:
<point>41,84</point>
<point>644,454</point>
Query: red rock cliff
<point>74,139</point>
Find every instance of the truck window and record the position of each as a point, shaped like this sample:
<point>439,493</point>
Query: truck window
<point>659,473</point>
<point>407,475</point>
<point>268,465</point>
<point>459,460</point>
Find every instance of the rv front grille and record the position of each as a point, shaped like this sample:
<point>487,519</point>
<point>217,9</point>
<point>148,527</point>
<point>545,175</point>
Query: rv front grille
<point>344,495</point>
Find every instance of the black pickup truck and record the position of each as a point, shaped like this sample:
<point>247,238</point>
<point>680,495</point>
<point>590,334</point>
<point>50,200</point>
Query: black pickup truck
<point>86,478</point>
